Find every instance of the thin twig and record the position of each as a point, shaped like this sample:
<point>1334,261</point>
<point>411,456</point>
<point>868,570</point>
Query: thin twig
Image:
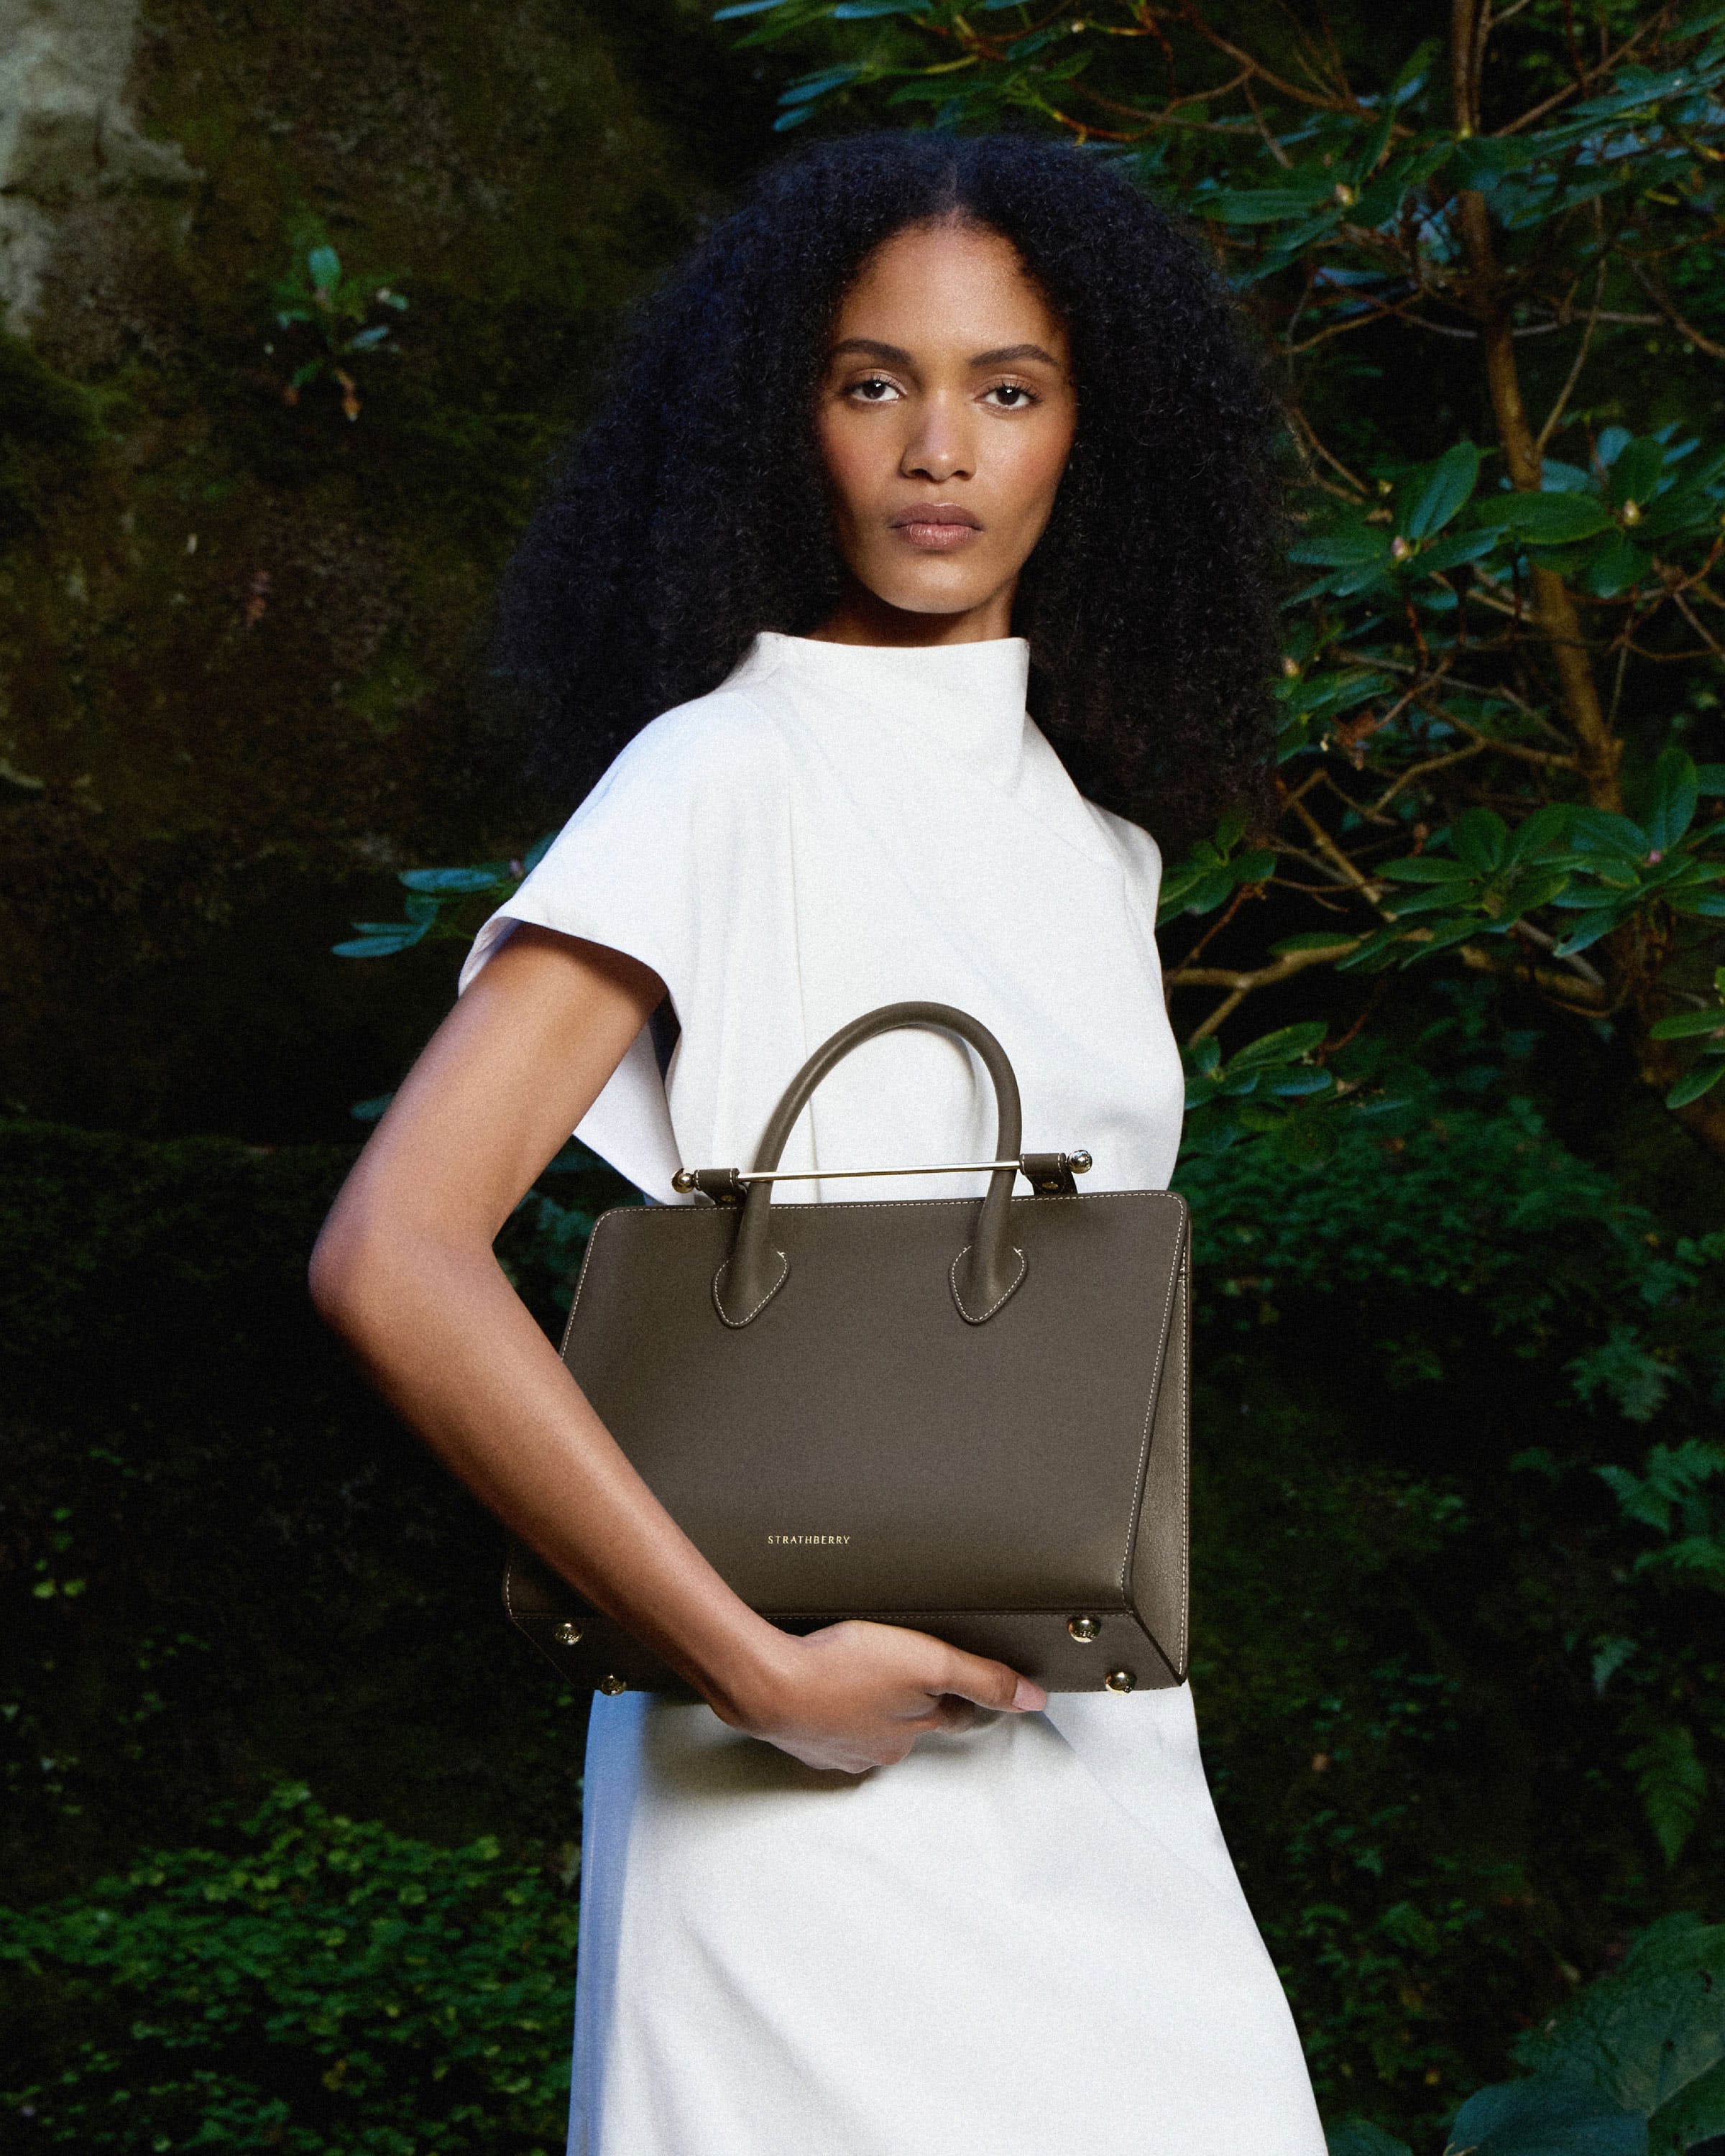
<point>1563,395</point>
<point>1667,306</point>
<point>1607,62</point>
<point>1241,985</point>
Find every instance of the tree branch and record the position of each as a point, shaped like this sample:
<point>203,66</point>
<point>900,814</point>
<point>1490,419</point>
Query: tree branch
<point>1662,300</point>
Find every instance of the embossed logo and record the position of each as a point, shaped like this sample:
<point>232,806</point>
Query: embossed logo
<point>802,1542</point>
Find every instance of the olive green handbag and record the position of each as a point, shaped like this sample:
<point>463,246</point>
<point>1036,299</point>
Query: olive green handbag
<point>966,1415</point>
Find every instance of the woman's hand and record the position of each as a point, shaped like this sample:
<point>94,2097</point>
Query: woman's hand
<point>856,1695</point>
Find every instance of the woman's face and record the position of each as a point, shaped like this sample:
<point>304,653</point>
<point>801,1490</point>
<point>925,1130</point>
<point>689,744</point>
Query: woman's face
<point>945,417</point>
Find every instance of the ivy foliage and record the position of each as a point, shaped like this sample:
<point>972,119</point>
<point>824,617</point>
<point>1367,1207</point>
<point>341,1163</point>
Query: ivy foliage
<point>324,1985</point>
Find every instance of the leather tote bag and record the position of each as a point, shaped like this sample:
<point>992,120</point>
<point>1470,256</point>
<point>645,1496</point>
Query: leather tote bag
<point>965,1415</point>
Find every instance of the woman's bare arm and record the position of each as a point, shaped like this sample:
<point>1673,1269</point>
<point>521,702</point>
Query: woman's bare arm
<point>404,1269</point>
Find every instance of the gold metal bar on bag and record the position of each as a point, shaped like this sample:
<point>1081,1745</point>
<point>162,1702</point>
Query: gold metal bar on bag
<point>684,1179</point>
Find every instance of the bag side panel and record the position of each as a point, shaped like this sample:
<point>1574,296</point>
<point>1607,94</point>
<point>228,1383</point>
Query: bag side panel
<point>1160,1561</point>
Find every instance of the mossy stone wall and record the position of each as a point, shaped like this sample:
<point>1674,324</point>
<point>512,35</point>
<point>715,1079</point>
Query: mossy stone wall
<point>240,639</point>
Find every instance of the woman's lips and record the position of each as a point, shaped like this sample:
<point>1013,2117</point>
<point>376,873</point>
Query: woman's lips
<point>935,526</point>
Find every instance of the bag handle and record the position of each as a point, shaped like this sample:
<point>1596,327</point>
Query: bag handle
<point>986,1273</point>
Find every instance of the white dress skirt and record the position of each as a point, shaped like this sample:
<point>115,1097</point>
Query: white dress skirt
<point>1027,1939</point>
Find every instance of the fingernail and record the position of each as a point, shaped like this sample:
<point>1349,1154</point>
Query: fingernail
<point>1029,1698</point>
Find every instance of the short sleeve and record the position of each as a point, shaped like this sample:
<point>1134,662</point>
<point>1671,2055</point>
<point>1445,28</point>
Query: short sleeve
<point>651,864</point>
<point>1141,859</point>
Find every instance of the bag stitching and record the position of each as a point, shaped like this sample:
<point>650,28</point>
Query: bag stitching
<point>736,1324</point>
<point>1185,1449</point>
<point>1134,1526</point>
<point>1005,1297</point>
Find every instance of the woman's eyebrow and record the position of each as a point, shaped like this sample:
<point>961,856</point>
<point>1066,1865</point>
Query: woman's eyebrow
<point>1007,353</point>
<point>894,355</point>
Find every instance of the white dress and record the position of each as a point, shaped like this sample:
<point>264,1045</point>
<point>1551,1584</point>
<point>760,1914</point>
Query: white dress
<point>1027,1940</point>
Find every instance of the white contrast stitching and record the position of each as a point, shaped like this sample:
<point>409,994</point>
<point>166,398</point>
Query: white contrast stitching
<point>1138,1519</point>
<point>1185,1449</point>
<point>736,1324</point>
<point>593,1236</point>
<point>1005,1295</point>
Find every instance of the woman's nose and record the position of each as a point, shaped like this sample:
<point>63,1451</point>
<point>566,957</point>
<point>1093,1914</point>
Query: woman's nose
<point>940,449</point>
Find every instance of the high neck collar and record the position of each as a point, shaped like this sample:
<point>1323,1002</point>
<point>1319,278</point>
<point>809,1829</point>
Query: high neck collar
<point>966,700</point>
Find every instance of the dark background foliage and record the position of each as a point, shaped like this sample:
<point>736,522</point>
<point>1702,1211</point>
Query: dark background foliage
<point>1462,1694</point>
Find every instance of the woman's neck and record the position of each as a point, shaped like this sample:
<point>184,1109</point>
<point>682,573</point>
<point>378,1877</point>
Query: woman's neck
<point>862,618</point>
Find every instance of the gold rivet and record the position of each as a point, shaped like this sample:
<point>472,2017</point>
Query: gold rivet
<point>567,1636</point>
<point>1083,1628</point>
<point>683,1181</point>
<point>1120,1680</point>
<point>612,1685</point>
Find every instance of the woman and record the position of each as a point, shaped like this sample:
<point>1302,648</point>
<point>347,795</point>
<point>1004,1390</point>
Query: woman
<point>928,419</point>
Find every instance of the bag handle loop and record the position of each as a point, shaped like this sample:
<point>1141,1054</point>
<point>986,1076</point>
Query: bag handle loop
<point>986,1273</point>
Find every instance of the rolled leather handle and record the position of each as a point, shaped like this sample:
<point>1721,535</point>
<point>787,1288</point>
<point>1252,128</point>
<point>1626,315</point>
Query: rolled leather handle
<point>985,1273</point>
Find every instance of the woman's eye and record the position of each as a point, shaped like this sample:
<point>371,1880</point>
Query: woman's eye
<point>874,389</point>
<point>1012,396</point>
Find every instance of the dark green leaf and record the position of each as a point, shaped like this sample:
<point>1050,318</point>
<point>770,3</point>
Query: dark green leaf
<point>1542,2117</point>
<point>1634,473</point>
<point>1671,1778</point>
<point>1433,898</point>
<point>1453,479</point>
<point>1586,933</point>
<point>817,86</point>
<point>1354,2136</point>
<point>1444,938</point>
<point>1480,838</point>
<point>1264,205</point>
<point>1426,868</point>
<point>1300,1083</point>
<point>1459,547</point>
<point>1603,831</point>
<point>380,942</point>
<point>1545,520</point>
<point>1685,1025</point>
<point>1618,567</point>
<point>1700,1079</point>
<point>1675,795</point>
<point>1381,948</point>
<point>1537,834</point>
<point>1693,2117</point>
<point>488,877</point>
<point>1650,2030</point>
<point>1342,547</point>
<point>1285,1046</point>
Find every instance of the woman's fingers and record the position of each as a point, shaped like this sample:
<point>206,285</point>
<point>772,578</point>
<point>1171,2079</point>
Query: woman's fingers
<point>860,1695</point>
<point>991,1685</point>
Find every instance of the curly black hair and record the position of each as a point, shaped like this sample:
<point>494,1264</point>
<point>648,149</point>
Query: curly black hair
<point>692,513</point>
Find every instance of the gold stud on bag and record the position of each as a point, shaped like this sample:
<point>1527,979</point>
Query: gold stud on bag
<point>967,1416</point>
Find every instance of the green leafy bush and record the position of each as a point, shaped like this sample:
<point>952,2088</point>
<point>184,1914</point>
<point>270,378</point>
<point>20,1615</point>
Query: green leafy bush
<point>326,1986</point>
<point>336,1989</point>
<point>1634,2065</point>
